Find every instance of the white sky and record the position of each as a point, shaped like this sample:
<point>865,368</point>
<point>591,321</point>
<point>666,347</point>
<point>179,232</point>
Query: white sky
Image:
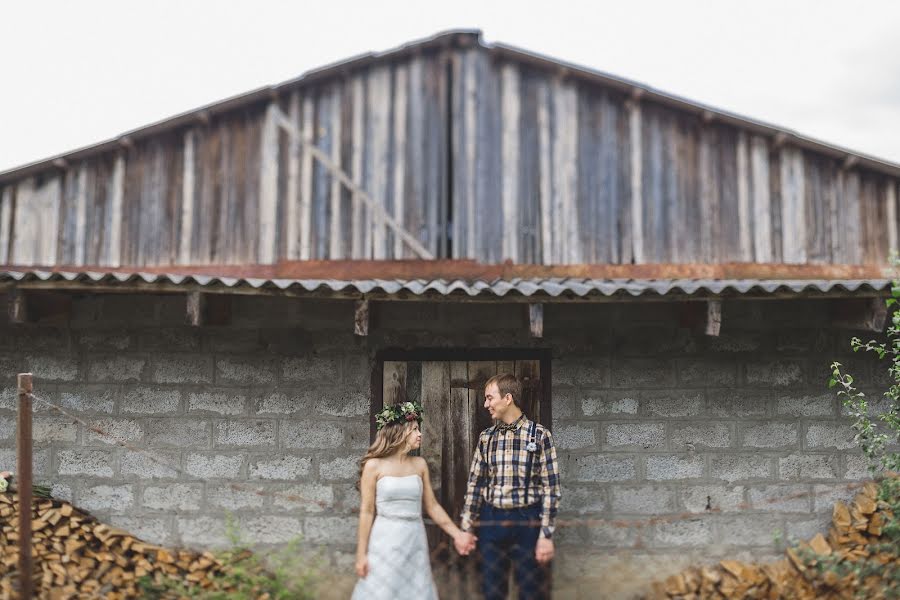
<point>76,73</point>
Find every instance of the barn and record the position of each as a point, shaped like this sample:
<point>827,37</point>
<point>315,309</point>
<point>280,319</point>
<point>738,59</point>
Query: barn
<point>214,306</point>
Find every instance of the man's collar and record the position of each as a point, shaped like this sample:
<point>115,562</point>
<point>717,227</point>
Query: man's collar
<point>514,426</point>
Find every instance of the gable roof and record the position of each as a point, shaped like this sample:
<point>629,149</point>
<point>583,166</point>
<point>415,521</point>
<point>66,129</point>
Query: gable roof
<point>463,38</point>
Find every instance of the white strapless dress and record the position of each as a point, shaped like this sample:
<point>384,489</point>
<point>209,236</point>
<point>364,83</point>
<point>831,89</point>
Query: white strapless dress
<point>399,564</point>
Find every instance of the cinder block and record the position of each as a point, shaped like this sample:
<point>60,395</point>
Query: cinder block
<point>311,369</point>
<point>146,400</point>
<point>173,497</point>
<point>114,431</point>
<point>705,372</point>
<point>671,467</point>
<point>806,528</point>
<point>751,530</point>
<point>342,468</point>
<point>684,532</point>
<point>88,398</point>
<point>307,497</point>
<point>40,461</point>
<point>740,467</point>
<point>776,373</point>
<point>7,429</point>
<point>218,402</point>
<point>672,403</point>
<point>155,530</point>
<point>356,434</point>
<point>246,433</point>
<point>857,467</point>
<point>607,403</point>
<point>46,368</point>
<point>279,467</point>
<point>169,339</point>
<point>643,373</point>
<point>713,498</point>
<point>830,435</point>
<point>180,432</point>
<point>284,402</point>
<point>600,468</point>
<point>201,532</point>
<point>115,498</point>
<point>809,466</point>
<point>825,496</point>
<point>737,403</point>
<point>213,466</point>
<point>272,529</point>
<point>639,436</point>
<point>642,500</point>
<point>114,369</point>
<point>591,372</point>
<point>311,434</point>
<point>54,429</point>
<point>343,403</point>
<point>237,371</point>
<point>781,498</point>
<point>806,405</point>
<point>229,498</point>
<point>116,340</point>
<point>583,499</point>
<point>81,461</point>
<point>149,464</point>
<point>324,529</point>
<point>770,434</point>
<point>702,435</point>
<point>184,368</point>
<point>233,340</point>
<point>574,436</point>
<point>735,341</point>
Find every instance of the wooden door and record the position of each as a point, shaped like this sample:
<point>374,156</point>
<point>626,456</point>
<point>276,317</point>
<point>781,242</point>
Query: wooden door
<point>452,397</point>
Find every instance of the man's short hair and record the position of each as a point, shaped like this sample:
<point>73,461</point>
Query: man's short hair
<point>507,383</point>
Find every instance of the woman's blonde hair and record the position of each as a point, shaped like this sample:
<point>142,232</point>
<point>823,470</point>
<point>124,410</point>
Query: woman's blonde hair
<point>388,440</point>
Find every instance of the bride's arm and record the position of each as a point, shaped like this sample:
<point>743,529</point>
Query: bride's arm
<point>433,507</point>
<point>366,517</point>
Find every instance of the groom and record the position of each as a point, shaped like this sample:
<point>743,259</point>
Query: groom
<point>513,494</point>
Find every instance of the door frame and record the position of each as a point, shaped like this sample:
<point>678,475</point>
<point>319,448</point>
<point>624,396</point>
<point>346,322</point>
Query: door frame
<point>543,355</point>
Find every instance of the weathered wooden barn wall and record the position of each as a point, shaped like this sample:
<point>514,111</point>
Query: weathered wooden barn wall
<point>476,153</point>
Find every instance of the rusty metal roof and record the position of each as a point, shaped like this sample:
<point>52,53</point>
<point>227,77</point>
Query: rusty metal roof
<point>535,289</point>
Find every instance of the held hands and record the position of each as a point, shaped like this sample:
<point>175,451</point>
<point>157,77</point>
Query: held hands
<point>543,552</point>
<point>362,566</point>
<point>464,542</point>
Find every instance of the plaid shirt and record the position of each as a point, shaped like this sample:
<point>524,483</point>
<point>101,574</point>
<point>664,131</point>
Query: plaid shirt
<point>498,473</point>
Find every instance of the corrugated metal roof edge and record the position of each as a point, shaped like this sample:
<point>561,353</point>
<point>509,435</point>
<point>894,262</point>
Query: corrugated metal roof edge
<point>549,287</point>
<point>448,38</point>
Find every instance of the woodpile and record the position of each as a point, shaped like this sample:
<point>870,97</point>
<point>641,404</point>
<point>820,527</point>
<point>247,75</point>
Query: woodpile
<point>76,556</point>
<point>853,561</point>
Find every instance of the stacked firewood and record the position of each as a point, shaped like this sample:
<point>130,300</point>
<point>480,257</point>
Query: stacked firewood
<point>853,561</point>
<point>76,556</point>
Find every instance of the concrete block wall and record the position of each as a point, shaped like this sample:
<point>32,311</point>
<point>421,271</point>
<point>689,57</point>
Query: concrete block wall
<point>728,439</point>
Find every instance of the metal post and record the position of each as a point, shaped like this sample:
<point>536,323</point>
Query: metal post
<point>23,476</point>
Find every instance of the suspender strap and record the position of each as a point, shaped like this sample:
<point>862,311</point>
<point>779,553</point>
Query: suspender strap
<point>531,432</point>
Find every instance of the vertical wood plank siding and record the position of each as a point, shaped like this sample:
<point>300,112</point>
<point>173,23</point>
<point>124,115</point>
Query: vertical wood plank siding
<point>478,156</point>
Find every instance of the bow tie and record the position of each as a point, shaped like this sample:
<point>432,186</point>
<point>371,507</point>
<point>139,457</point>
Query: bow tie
<point>504,427</point>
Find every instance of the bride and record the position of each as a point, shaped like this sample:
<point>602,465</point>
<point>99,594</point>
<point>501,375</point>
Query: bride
<point>392,559</point>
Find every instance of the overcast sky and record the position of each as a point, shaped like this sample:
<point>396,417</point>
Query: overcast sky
<point>76,73</point>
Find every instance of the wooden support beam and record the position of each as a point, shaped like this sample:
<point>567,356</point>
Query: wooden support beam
<point>860,314</point>
<point>24,477</point>
<point>713,316</point>
<point>536,320</point>
<point>361,318</point>
<point>18,307</point>
<point>196,309</point>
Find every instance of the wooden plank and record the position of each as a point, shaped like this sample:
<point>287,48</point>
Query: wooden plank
<point>565,156</point>
<point>850,220</point>
<point>478,373</point>
<point>890,199</point>
<point>470,115</point>
<point>361,318</point>
<point>759,174</point>
<point>529,374</point>
<point>379,116</point>
<point>6,215</point>
<point>267,253</point>
<point>460,436</point>
<point>188,188</point>
<point>36,222</point>
<point>793,206</point>
<point>510,103</point>
<point>17,307</point>
<point>745,223</point>
<point>400,141</point>
<point>394,384</point>
<point>858,314</point>
<point>437,430</point>
<point>304,218</point>
<point>536,320</point>
<point>292,187</point>
<point>546,174</point>
<point>336,234</point>
<point>114,256</point>
<point>713,317</point>
<point>358,226</point>
<point>637,202</point>
<point>196,308</point>
<point>80,216</point>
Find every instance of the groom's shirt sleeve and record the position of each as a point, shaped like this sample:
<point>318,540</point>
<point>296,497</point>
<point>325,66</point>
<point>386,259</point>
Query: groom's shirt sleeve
<point>549,486</point>
<point>478,475</point>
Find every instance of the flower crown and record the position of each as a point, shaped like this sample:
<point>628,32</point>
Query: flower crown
<point>399,413</point>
